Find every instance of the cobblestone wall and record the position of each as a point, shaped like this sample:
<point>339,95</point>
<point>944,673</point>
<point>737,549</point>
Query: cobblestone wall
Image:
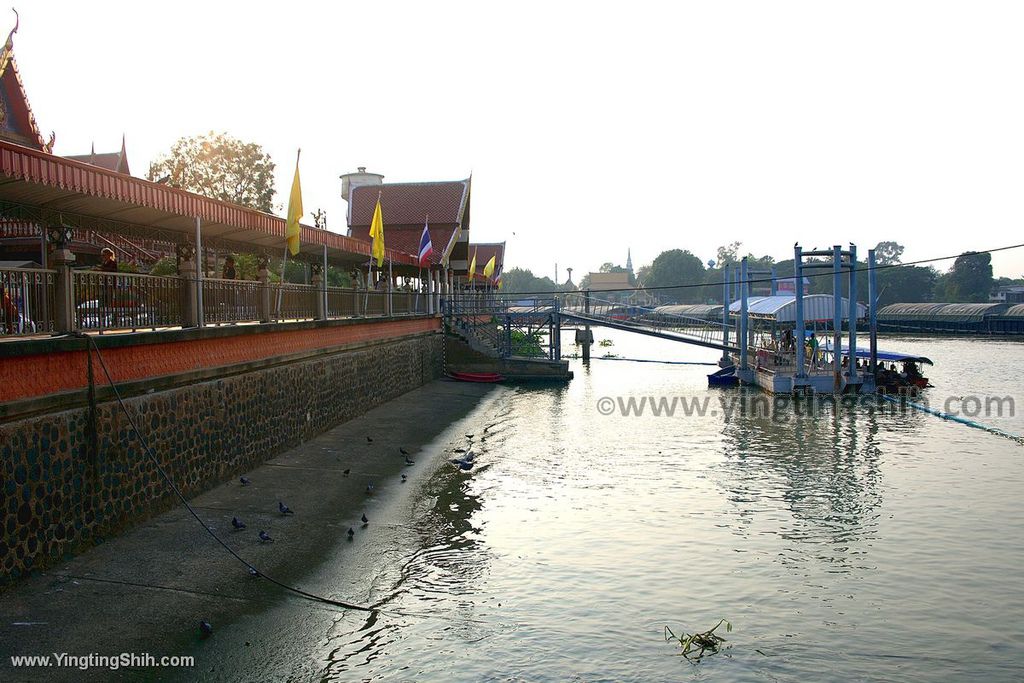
<point>60,495</point>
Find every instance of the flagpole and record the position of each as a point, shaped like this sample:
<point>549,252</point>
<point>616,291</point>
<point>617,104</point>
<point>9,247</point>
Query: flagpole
<point>284,261</point>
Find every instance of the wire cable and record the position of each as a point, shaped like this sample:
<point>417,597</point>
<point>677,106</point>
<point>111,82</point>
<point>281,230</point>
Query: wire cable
<point>762,280</point>
<point>91,343</point>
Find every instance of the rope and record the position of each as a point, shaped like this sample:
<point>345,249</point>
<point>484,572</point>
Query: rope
<point>152,457</point>
<point>953,418</point>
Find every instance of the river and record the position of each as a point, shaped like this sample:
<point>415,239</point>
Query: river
<point>862,544</point>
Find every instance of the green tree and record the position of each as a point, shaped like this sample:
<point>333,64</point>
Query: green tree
<point>970,280</point>
<point>519,280</point>
<point>677,267</point>
<point>220,167</point>
<point>906,284</point>
<point>888,253</point>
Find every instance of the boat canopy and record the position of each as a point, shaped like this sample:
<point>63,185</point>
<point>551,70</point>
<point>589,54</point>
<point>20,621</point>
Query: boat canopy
<point>890,356</point>
<point>782,308</point>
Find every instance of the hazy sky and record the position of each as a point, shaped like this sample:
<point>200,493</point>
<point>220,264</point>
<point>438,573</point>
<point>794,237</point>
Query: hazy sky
<point>589,128</point>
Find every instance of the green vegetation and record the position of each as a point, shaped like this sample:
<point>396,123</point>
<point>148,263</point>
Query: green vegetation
<point>523,344</point>
<point>696,645</point>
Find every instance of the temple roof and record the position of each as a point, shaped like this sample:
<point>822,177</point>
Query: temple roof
<point>17,122</point>
<point>112,161</point>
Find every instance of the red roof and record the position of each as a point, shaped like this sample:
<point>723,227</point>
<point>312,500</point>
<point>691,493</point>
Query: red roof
<point>409,204</point>
<point>405,208</point>
<point>112,161</point>
<point>38,179</point>
<point>17,123</point>
<point>484,251</point>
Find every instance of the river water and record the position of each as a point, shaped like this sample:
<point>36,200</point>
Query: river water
<point>856,544</point>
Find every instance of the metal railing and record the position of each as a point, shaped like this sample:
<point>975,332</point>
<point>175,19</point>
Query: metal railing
<point>126,301</point>
<point>293,302</point>
<point>231,301</point>
<point>32,301</point>
<point>26,301</point>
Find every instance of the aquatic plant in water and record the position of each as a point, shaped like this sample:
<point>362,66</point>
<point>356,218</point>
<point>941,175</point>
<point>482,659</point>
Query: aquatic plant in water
<point>696,645</point>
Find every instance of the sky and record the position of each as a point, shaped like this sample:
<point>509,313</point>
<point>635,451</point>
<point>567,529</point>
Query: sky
<point>588,128</point>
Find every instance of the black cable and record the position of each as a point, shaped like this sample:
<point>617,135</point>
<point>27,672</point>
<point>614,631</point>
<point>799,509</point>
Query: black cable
<point>177,492</point>
<point>827,273</point>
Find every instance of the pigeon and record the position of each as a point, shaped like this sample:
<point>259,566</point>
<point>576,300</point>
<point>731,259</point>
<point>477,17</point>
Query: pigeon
<point>265,537</point>
<point>369,488</point>
<point>465,465</point>
<point>253,573</point>
<point>205,628</point>
<point>468,457</point>
<point>244,481</point>
<point>369,440</point>
<point>351,533</point>
<point>404,478</point>
<point>403,452</point>
<point>346,472</point>
<point>365,520</point>
<point>285,510</point>
<point>237,523</point>
<point>409,462</point>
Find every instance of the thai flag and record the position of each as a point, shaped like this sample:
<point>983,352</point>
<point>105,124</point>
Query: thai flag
<point>426,247</point>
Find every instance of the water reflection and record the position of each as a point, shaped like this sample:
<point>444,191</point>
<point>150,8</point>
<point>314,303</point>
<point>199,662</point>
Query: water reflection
<point>815,478</point>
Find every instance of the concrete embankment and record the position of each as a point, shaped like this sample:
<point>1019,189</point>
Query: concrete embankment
<point>146,590</point>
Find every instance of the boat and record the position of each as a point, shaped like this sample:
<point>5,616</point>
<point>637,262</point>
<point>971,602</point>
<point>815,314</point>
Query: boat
<point>910,375</point>
<point>475,376</point>
<point>726,377</point>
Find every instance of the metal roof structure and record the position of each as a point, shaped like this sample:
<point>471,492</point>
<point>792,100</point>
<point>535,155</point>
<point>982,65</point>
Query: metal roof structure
<point>1015,311</point>
<point>691,310</point>
<point>782,308</point>
<point>940,312</point>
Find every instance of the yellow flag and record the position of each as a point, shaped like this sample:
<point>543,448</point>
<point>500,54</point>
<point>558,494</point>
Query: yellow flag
<point>377,234</point>
<point>292,228</point>
<point>489,268</point>
<point>472,266</point>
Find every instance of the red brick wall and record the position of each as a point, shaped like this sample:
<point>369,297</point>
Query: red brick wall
<point>39,375</point>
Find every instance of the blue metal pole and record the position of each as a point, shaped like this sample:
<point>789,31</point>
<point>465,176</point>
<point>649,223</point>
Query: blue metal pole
<point>743,314</point>
<point>872,313</point>
<point>853,314</point>
<point>725,315</point>
<point>798,333</point>
<point>837,313</point>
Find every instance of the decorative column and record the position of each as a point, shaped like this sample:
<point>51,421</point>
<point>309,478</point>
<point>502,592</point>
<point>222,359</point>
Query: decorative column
<point>319,290</point>
<point>61,260</point>
<point>189,285</point>
<point>264,274</point>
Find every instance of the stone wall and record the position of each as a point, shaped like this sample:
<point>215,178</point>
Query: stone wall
<point>60,494</point>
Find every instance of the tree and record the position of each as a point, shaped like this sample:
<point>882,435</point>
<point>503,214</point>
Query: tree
<point>220,167</point>
<point>677,267</point>
<point>888,253</point>
<point>970,279</point>
<point>728,253</point>
<point>906,284</point>
<point>519,280</point>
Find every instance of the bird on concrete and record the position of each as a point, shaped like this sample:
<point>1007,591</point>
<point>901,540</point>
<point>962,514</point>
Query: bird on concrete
<point>404,478</point>
<point>351,533</point>
<point>346,472</point>
<point>463,464</point>
<point>265,537</point>
<point>409,462</point>
<point>237,523</point>
<point>205,628</point>
<point>369,488</point>
<point>284,509</point>
<point>365,520</point>
<point>369,440</point>
<point>244,481</point>
<point>403,451</point>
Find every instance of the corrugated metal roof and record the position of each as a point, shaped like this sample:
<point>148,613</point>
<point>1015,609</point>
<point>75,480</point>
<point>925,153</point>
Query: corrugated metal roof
<point>939,312</point>
<point>782,307</point>
<point>691,310</point>
<point>1015,311</point>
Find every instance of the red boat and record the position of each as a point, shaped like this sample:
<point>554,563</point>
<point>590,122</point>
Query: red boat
<point>475,376</point>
